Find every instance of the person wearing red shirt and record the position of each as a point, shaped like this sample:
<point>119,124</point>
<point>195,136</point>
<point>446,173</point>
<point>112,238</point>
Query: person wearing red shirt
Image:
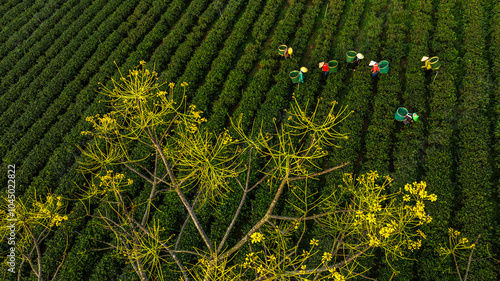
<point>375,70</point>
<point>326,69</point>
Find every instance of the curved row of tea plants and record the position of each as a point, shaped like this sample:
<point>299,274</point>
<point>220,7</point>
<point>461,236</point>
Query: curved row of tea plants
<point>279,96</point>
<point>22,120</point>
<point>200,60</point>
<point>226,56</point>
<point>18,17</point>
<point>177,34</point>
<point>40,18</point>
<point>31,65</point>
<point>238,77</point>
<point>56,24</point>
<point>495,49</point>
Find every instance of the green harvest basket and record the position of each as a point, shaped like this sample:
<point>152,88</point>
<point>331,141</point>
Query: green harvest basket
<point>401,114</point>
<point>435,63</point>
<point>350,56</point>
<point>383,66</point>
<point>281,49</point>
<point>333,65</point>
<point>294,75</point>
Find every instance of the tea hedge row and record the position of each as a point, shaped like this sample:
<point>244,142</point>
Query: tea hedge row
<point>439,161</point>
<point>41,17</point>
<point>474,171</point>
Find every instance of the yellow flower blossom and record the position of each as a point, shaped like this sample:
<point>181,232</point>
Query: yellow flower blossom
<point>414,245</point>
<point>314,242</point>
<point>303,269</point>
<point>326,257</point>
<point>257,237</point>
<point>271,258</point>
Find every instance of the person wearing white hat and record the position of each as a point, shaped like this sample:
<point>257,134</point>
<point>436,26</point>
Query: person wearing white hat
<point>427,65</point>
<point>301,74</point>
<point>355,63</point>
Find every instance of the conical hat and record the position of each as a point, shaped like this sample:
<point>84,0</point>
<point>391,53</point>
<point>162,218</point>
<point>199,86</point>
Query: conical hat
<point>372,63</point>
<point>360,56</point>
<point>321,64</point>
<point>303,69</point>
<point>424,58</point>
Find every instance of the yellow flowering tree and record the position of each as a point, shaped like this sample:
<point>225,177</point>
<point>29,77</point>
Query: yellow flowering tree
<point>456,246</point>
<point>371,218</point>
<point>181,157</point>
<point>25,223</point>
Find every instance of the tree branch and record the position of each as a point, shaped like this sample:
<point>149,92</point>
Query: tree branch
<point>324,268</point>
<point>320,173</point>
<point>39,254</point>
<point>151,194</point>
<point>138,173</point>
<point>262,179</point>
<point>172,253</point>
<point>185,223</point>
<point>64,257</point>
<point>245,191</point>
<point>184,200</point>
<point>456,265</point>
<point>309,218</point>
<point>226,235</point>
<point>262,221</point>
<point>470,258</point>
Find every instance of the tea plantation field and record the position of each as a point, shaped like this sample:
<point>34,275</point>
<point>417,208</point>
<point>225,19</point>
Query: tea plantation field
<point>53,54</point>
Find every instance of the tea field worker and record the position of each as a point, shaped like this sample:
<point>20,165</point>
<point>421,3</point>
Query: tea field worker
<point>409,118</point>
<point>325,69</point>
<point>375,69</point>
<point>289,51</point>
<point>427,64</point>
<point>301,74</point>
<point>301,77</point>
<point>356,61</point>
<point>285,54</point>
